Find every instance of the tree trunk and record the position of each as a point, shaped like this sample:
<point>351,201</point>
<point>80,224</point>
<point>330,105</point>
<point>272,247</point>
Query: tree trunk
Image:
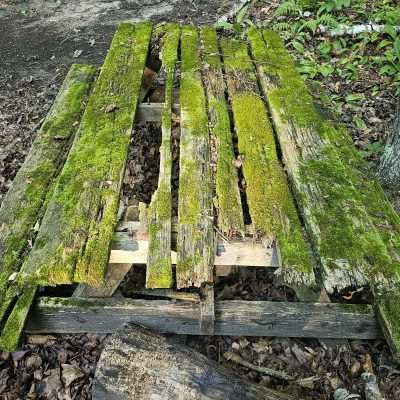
<point>139,364</point>
<point>389,169</point>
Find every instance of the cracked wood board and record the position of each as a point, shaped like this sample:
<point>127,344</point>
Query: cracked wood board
<point>73,242</point>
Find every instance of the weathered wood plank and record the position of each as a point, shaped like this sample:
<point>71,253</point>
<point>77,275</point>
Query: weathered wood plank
<point>229,206</point>
<point>351,250</point>
<point>271,205</point>
<point>127,248</point>
<point>11,332</point>
<point>159,268</point>
<point>195,211</point>
<point>139,364</point>
<point>354,228</point>
<point>235,317</point>
<point>73,243</point>
<point>22,206</point>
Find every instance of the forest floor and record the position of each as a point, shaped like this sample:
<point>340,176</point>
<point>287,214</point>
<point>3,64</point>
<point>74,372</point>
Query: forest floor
<point>39,40</point>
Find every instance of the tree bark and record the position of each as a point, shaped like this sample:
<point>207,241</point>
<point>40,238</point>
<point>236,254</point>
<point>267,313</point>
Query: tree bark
<point>389,168</point>
<point>141,365</point>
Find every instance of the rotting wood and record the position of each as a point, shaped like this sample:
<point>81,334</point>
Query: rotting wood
<point>138,364</point>
<point>73,242</point>
<point>11,332</point>
<point>229,206</point>
<point>234,317</point>
<point>159,267</point>
<point>271,205</point>
<point>354,229</point>
<point>349,246</point>
<point>207,309</point>
<point>22,207</point>
<point>195,212</point>
<point>26,201</point>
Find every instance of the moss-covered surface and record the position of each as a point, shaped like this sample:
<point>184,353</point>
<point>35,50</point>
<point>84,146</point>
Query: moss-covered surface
<point>229,208</point>
<point>195,214</point>
<point>23,204</point>
<point>159,269</point>
<point>269,198</point>
<point>337,212</point>
<point>79,222</point>
<point>10,335</point>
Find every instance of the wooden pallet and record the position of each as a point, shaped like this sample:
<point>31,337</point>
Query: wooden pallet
<point>315,209</point>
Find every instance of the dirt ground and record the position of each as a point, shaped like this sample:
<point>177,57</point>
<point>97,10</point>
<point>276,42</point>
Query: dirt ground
<point>39,40</point>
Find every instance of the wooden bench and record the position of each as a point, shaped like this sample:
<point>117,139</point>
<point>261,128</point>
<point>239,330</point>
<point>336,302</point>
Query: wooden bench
<point>264,182</point>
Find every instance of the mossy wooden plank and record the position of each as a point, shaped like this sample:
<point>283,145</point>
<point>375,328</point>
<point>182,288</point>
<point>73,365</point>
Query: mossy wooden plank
<point>229,207</point>
<point>22,206</point>
<point>196,248</point>
<point>15,323</point>
<point>271,205</point>
<point>74,240</point>
<point>344,235</point>
<point>159,268</point>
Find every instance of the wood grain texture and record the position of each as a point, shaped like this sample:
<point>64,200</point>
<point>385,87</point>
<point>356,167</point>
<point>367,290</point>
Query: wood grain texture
<point>137,364</point>
<point>234,318</point>
<point>24,204</point>
<point>327,187</point>
<point>196,247</point>
<point>271,205</point>
<point>73,241</point>
<point>226,181</point>
<point>159,267</point>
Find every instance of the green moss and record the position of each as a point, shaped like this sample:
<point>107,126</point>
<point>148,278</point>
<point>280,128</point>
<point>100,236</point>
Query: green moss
<point>230,215</point>
<point>195,219</point>
<point>271,205</point>
<point>12,330</point>
<point>24,202</point>
<point>85,200</point>
<point>341,223</point>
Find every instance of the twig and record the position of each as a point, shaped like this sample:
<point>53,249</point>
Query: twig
<point>306,382</point>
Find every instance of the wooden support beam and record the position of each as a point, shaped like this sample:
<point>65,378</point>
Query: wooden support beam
<point>195,211</point>
<point>152,112</point>
<point>73,241</point>
<point>269,198</point>
<point>159,267</point>
<point>126,248</point>
<point>236,317</point>
<point>207,309</point>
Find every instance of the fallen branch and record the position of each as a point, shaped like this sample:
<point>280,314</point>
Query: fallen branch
<point>342,30</point>
<point>306,382</point>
